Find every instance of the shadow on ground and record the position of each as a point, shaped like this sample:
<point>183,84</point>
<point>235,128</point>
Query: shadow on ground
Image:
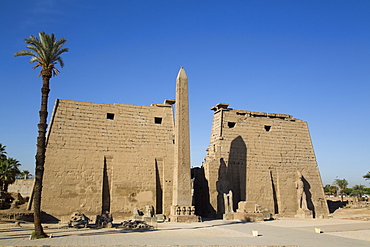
<point>334,205</point>
<point>92,230</point>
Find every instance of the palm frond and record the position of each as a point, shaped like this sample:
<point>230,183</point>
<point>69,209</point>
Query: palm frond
<point>24,53</point>
<point>34,59</point>
<point>37,65</point>
<point>60,60</point>
<point>60,51</point>
<point>55,71</point>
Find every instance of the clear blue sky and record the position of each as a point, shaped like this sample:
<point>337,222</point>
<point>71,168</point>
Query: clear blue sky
<point>310,59</point>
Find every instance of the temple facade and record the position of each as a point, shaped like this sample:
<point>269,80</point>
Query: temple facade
<point>120,157</point>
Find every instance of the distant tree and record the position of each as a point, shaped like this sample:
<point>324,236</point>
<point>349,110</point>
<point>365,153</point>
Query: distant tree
<point>333,190</point>
<point>46,52</point>
<point>9,169</point>
<point>25,174</point>
<point>347,191</point>
<point>367,191</point>
<point>358,190</point>
<point>327,188</point>
<point>366,176</point>
<point>342,184</point>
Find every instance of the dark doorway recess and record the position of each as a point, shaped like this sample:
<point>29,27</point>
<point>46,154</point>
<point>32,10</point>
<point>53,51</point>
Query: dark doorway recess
<point>237,170</point>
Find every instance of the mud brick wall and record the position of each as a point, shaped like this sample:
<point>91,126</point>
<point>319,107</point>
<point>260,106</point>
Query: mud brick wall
<point>108,157</point>
<point>256,156</point>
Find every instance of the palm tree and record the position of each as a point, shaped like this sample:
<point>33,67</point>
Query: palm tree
<point>8,172</point>
<point>358,190</point>
<point>2,152</point>
<point>366,176</point>
<point>4,173</point>
<point>25,174</point>
<point>45,51</point>
<point>342,184</point>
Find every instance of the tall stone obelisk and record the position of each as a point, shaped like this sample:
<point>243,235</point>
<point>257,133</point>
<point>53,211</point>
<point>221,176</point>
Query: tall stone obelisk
<point>182,210</point>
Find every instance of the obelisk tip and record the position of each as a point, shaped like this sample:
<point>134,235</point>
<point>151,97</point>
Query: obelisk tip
<point>182,73</point>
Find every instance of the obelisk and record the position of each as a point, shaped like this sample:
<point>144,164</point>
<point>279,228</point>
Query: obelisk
<point>182,210</point>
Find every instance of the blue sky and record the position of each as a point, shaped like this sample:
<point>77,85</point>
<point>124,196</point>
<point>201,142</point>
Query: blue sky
<point>310,59</point>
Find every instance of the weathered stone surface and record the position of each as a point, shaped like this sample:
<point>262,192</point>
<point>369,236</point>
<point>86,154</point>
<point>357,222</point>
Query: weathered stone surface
<point>257,155</point>
<point>103,157</point>
<point>182,209</point>
<point>78,220</point>
<point>303,213</point>
<point>22,186</point>
<point>182,182</point>
<point>251,207</point>
<point>249,217</point>
<point>114,158</point>
<point>104,220</point>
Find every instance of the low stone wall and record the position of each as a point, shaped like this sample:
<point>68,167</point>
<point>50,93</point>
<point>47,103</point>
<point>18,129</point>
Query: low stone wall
<point>22,186</point>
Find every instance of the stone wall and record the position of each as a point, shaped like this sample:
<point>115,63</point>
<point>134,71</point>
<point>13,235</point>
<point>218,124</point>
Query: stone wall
<point>108,157</point>
<point>256,156</point>
<point>22,186</point>
<point>103,157</point>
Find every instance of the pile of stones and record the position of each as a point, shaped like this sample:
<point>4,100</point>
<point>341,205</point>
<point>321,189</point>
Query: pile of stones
<point>78,220</point>
<point>136,224</point>
<point>104,220</point>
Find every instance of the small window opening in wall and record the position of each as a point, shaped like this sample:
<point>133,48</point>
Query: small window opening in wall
<point>110,116</point>
<point>158,120</point>
<point>231,124</point>
<point>267,127</point>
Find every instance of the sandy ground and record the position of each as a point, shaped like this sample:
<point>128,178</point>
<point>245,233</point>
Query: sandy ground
<point>346,222</point>
<point>352,213</point>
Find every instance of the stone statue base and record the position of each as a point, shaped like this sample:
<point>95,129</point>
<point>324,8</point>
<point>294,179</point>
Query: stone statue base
<point>228,216</point>
<point>181,213</point>
<point>303,213</point>
<point>184,218</point>
<point>249,217</point>
<point>250,211</point>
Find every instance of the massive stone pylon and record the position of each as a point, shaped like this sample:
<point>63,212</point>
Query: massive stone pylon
<point>182,210</point>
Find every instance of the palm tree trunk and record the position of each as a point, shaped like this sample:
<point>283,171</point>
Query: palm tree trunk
<point>40,156</point>
<point>6,186</point>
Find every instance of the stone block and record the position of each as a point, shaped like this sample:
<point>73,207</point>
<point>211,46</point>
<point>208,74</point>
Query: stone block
<point>248,217</point>
<point>303,213</point>
<point>247,207</point>
<point>184,218</point>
